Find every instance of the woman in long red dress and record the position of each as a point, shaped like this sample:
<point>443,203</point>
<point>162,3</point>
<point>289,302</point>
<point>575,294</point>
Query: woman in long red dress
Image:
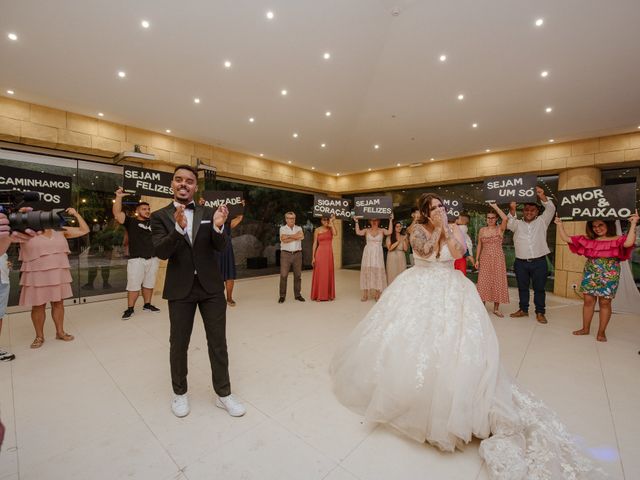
<point>323,286</point>
<point>490,261</point>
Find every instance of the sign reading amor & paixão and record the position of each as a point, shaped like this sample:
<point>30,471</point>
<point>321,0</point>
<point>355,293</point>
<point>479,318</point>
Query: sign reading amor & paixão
<point>373,206</point>
<point>142,181</point>
<point>610,202</point>
<point>512,188</point>
<point>326,206</point>
<point>54,190</point>
<point>231,198</point>
<point>453,206</point>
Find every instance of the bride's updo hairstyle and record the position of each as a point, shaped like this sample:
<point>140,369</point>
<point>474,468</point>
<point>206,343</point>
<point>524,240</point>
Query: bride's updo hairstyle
<point>424,208</point>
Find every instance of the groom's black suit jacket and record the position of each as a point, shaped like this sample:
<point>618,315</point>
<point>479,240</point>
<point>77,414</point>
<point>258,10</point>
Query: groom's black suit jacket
<point>184,257</point>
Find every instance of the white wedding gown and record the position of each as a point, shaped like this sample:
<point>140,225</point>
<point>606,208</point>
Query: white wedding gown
<point>425,360</point>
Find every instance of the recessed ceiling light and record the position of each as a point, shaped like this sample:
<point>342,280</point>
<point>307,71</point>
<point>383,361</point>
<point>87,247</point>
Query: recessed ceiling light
<point>551,140</point>
<point>227,64</point>
<point>270,15</point>
<point>397,164</point>
<point>262,154</point>
<point>431,159</point>
<point>100,114</point>
<point>168,130</point>
<point>322,145</point>
<point>369,169</point>
<point>251,119</point>
<point>12,36</point>
<point>10,92</point>
<point>539,22</point>
<point>313,168</point>
<point>548,109</point>
<point>639,126</point>
<point>122,74</point>
<point>461,96</point>
<point>289,162</point>
<point>338,174</point>
<point>283,93</point>
<point>488,150</point>
<point>327,113</point>
<point>475,125</point>
<point>196,100</point>
<point>443,58</point>
<point>295,135</point>
<point>145,24</point>
<point>544,74</point>
<point>326,55</point>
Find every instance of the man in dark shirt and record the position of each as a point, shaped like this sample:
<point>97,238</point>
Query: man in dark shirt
<point>143,264</point>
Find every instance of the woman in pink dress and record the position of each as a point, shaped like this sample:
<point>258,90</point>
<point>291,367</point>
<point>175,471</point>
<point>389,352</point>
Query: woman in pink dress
<point>373,276</point>
<point>323,285</point>
<point>604,250</point>
<point>46,276</point>
<point>490,262</point>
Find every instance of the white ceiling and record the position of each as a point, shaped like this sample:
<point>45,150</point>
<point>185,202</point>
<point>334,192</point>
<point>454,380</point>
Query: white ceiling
<point>384,83</point>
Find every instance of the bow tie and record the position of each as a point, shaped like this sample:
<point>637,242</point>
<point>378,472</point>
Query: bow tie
<point>190,206</point>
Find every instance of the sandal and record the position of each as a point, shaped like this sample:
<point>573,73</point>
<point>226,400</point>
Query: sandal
<point>231,303</point>
<point>65,337</point>
<point>498,313</point>
<point>37,343</point>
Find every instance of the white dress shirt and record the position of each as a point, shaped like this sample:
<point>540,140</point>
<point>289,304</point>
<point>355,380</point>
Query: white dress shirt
<point>530,238</point>
<point>290,246</point>
<point>188,213</point>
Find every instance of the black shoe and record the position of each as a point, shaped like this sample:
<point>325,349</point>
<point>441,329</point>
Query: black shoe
<point>87,286</point>
<point>281,300</point>
<point>6,356</point>
<point>106,286</point>
<point>128,313</point>
<point>300,298</point>
<point>150,308</point>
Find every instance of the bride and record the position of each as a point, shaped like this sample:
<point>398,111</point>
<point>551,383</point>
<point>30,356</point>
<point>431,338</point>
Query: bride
<point>425,360</point>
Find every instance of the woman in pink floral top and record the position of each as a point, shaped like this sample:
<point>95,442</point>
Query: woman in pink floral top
<point>604,251</point>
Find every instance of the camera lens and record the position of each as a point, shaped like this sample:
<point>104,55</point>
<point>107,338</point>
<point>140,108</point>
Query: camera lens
<point>37,220</point>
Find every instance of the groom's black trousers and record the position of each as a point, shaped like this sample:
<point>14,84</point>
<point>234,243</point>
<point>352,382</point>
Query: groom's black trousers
<point>213,308</point>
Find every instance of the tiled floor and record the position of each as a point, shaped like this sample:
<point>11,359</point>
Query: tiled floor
<point>98,407</point>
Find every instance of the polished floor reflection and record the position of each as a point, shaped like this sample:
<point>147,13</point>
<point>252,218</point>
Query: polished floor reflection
<point>98,407</point>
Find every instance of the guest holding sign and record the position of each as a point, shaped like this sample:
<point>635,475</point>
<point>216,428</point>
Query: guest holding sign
<point>323,285</point>
<point>490,262</point>
<point>397,245</point>
<point>46,276</point>
<point>291,236</point>
<point>372,273</point>
<point>530,241</point>
<point>604,251</point>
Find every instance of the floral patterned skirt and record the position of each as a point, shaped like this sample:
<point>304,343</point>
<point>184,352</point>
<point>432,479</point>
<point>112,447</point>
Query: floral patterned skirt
<point>601,277</point>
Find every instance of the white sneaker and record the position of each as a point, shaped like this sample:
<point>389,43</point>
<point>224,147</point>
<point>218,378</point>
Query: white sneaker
<point>231,405</point>
<point>180,405</point>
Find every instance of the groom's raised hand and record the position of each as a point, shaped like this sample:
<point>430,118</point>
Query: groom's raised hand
<point>181,218</point>
<point>220,216</point>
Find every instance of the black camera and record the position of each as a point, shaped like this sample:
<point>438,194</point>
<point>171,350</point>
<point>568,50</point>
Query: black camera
<point>12,200</point>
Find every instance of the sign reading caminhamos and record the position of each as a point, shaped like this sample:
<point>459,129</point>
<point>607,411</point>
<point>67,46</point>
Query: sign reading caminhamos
<point>54,190</point>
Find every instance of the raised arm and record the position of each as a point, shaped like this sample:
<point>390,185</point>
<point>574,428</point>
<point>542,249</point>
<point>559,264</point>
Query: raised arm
<point>562,233</point>
<point>79,231</point>
<point>512,219</point>
<point>389,229</point>
<point>359,231</point>
<point>332,225</point>
<point>502,215</point>
<point>631,236</point>
<point>118,214</point>
<point>236,221</point>
<point>549,207</point>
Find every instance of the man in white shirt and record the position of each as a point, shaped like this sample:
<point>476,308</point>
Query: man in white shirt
<point>530,241</point>
<point>291,236</point>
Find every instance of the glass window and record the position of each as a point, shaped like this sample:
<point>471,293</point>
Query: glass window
<point>471,195</point>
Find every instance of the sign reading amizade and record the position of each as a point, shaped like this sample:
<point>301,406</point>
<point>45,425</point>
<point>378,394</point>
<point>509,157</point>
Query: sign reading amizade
<point>232,199</point>
<point>54,190</point>
<point>142,181</point>
<point>327,206</point>
<point>513,188</point>
<point>609,202</point>
<point>373,206</point>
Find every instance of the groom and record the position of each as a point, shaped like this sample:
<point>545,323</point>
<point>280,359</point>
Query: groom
<point>187,234</point>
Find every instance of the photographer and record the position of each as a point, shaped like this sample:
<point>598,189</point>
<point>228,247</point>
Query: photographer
<point>46,276</point>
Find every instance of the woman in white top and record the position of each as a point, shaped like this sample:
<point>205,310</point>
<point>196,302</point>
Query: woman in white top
<point>372,273</point>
